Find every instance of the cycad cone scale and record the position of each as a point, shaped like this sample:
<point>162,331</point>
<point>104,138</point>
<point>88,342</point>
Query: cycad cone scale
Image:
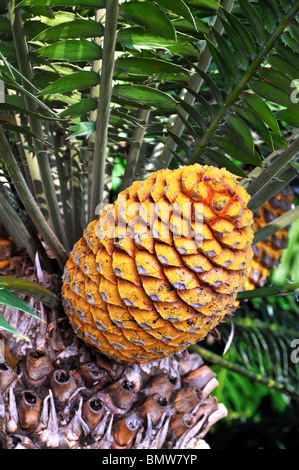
<point>161,266</point>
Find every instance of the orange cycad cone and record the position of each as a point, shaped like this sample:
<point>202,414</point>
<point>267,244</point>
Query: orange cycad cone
<point>162,266</point>
<point>267,253</point>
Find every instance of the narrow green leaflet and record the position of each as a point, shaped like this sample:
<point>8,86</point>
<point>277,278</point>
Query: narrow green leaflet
<point>30,288</point>
<point>290,116</point>
<point>72,29</point>
<point>276,77</point>
<point>255,124</point>
<point>180,142</point>
<point>74,81</point>
<point>192,111</point>
<point>184,26</point>
<point>80,108</point>
<point>204,4</point>
<point>4,325</point>
<point>4,25</point>
<point>189,127</point>
<point>285,289</point>
<point>270,92</point>
<point>276,225</point>
<point>65,3</point>
<point>234,151</point>
<point>83,129</point>
<point>260,107</point>
<point>269,15</point>
<point>8,52</point>
<point>59,18</point>
<point>239,125</point>
<point>220,63</point>
<point>11,300</point>
<point>243,33</point>
<point>294,30</point>
<point>282,64</point>
<point>72,50</point>
<point>254,20</point>
<point>180,8</point>
<point>124,117</point>
<point>148,67</point>
<point>227,54</point>
<point>137,38</point>
<point>34,27</point>
<point>44,10</point>
<point>148,15</point>
<point>11,81</point>
<point>284,6</point>
<point>22,111</point>
<point>224,161</point>
<point>21,130</point>
<point>117,173</point>
<point>201,100</point>
<point>210,83</point>
<point>143,95</point>
<point>288,54</point>
<point>14,86</point>
<point>290,42</point>
<point>271,176</point>
<point>185,50</point>
<point>279,142</point>
<point>240,49</point>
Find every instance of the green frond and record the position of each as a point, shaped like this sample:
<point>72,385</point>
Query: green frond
<point>8,299</point>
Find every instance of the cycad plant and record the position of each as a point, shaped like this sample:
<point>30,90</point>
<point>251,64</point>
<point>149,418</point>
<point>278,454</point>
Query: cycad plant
<point>98,94</point>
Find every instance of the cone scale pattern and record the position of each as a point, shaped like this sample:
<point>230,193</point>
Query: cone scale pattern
<point>267,253</point>
<point>162,266</point>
